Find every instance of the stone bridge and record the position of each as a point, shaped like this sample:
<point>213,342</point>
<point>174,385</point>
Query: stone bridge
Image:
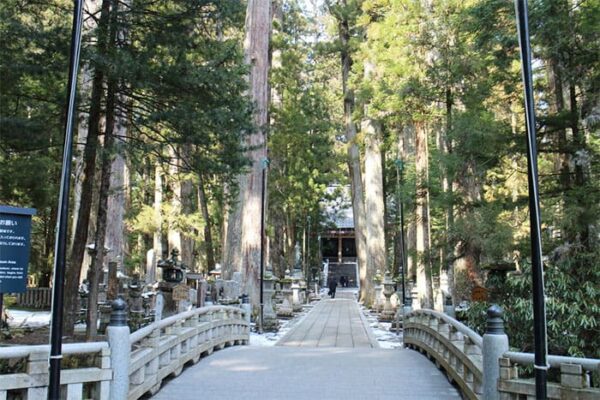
<point>330,354</point>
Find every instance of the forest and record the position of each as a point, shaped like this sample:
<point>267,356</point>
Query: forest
<point>185,109</point>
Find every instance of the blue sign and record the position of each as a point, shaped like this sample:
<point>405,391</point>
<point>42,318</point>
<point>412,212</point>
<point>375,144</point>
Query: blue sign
<point>15,230</point>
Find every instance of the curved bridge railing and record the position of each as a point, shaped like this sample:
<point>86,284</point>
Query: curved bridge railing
<point>574,381</point>
<point>451,345</point>
<point>128,365</point>
<point>463,354</point>
<point>163,348</point>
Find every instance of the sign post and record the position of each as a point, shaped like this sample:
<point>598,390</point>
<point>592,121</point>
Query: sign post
<point>15,232</point>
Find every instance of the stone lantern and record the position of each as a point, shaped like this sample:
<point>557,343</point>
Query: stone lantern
<point>270,322</point>
<point>378,291</point>
<point>387,314</point>
<point>172,284</point>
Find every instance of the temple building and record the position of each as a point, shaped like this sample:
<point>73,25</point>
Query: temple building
<point>338,245</point>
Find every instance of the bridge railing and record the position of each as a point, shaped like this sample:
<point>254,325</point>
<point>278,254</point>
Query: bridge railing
<point>163,348</point>
<point>451,345</point>
<point>128,365</point>
<point>483,368</point>
<point>30,380</point>
<point>574,378</point>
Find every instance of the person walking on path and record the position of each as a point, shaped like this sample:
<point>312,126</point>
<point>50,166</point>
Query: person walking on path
<point>332,287</point>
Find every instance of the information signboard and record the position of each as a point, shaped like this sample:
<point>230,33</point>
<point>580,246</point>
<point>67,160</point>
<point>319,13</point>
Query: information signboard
<point>15,230</point>
<point>479,294</point>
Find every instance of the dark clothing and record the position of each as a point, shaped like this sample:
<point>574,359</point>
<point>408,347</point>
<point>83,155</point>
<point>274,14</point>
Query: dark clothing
<point>332,287</point>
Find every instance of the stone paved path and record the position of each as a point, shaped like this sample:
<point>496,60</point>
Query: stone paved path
<point>331,354</point>
<point>332,323</point>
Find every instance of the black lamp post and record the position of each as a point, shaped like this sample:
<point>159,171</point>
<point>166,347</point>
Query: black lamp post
<point>539,303</point>
<point>265,165</point>
<point>400,181</point>
<point>60,246</point>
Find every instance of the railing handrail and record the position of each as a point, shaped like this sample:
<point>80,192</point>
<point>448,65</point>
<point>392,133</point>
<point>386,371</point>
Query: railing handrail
<point>589,364</point>
<point>147,330</point>
<point>67,348</point>
<point>459,326</point>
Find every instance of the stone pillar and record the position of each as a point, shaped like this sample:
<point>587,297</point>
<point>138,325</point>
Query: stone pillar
<point>296,301</point>
<point>159,305</point>
<point>120,350</point>
<point>270,322</point>
<point>495,344</point>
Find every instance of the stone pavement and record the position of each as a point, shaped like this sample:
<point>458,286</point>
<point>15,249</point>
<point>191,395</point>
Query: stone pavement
<point>332,323</point>
<point>331,354</point>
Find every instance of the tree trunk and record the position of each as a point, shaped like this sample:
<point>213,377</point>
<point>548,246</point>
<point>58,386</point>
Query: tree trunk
<point>73,269</point>
<point>97,266</point>
<point>448,186</point>
<point>583,206</point>
<point>115,231</point>
<point>422,224</point>
<point>245,238</point>
<point>208,240</point>
<point>358,205</point>
<point>187,208</point>
<point>174,184</point>
<point>374,203</point>
<point>157,242</point>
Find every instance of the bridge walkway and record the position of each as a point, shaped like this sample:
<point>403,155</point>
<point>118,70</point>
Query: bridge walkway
<point>331,354</point>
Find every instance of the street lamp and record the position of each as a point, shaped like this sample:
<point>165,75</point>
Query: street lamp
<point>265,165</point>
<point>60,247</point>
<point>539,305</point>
<point>400,205</point>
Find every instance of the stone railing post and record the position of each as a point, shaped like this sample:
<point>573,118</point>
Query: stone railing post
<point>120,349</point>
<point>495,344</point>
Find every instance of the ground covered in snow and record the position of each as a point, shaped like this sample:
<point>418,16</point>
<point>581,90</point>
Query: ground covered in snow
<point>386,339</point>
<point>381,330</point>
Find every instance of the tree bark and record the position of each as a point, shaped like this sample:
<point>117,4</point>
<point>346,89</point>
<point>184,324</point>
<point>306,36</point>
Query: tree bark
<point>374,203</point>
<point>423,261</point>
<point>208,240</point>
<point>358,205</point>
<point>73,268</point>
<point>245,238</point>
<point>97,266</point>
<point>157,244</point>
<point>448,186</point>
<point>115,231</point>
<point>174,184</point>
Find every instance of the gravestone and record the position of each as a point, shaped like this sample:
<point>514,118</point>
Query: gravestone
<point>159,306</point>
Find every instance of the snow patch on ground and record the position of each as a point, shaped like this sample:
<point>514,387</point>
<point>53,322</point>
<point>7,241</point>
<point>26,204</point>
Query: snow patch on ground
<point>385,338</point>
<point>28,319</point>
<point>271,338</point>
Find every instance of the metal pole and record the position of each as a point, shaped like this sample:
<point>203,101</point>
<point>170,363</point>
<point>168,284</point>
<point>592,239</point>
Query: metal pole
<point>539,305</point>
<point>262,243</point>
<point>60,245</point>
<point>402,238</point>
<point>1,308</point>
<point>399,182</point>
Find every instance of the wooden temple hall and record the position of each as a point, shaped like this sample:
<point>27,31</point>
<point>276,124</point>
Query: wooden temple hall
<point>338,245</point>
<point>339,257</point>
